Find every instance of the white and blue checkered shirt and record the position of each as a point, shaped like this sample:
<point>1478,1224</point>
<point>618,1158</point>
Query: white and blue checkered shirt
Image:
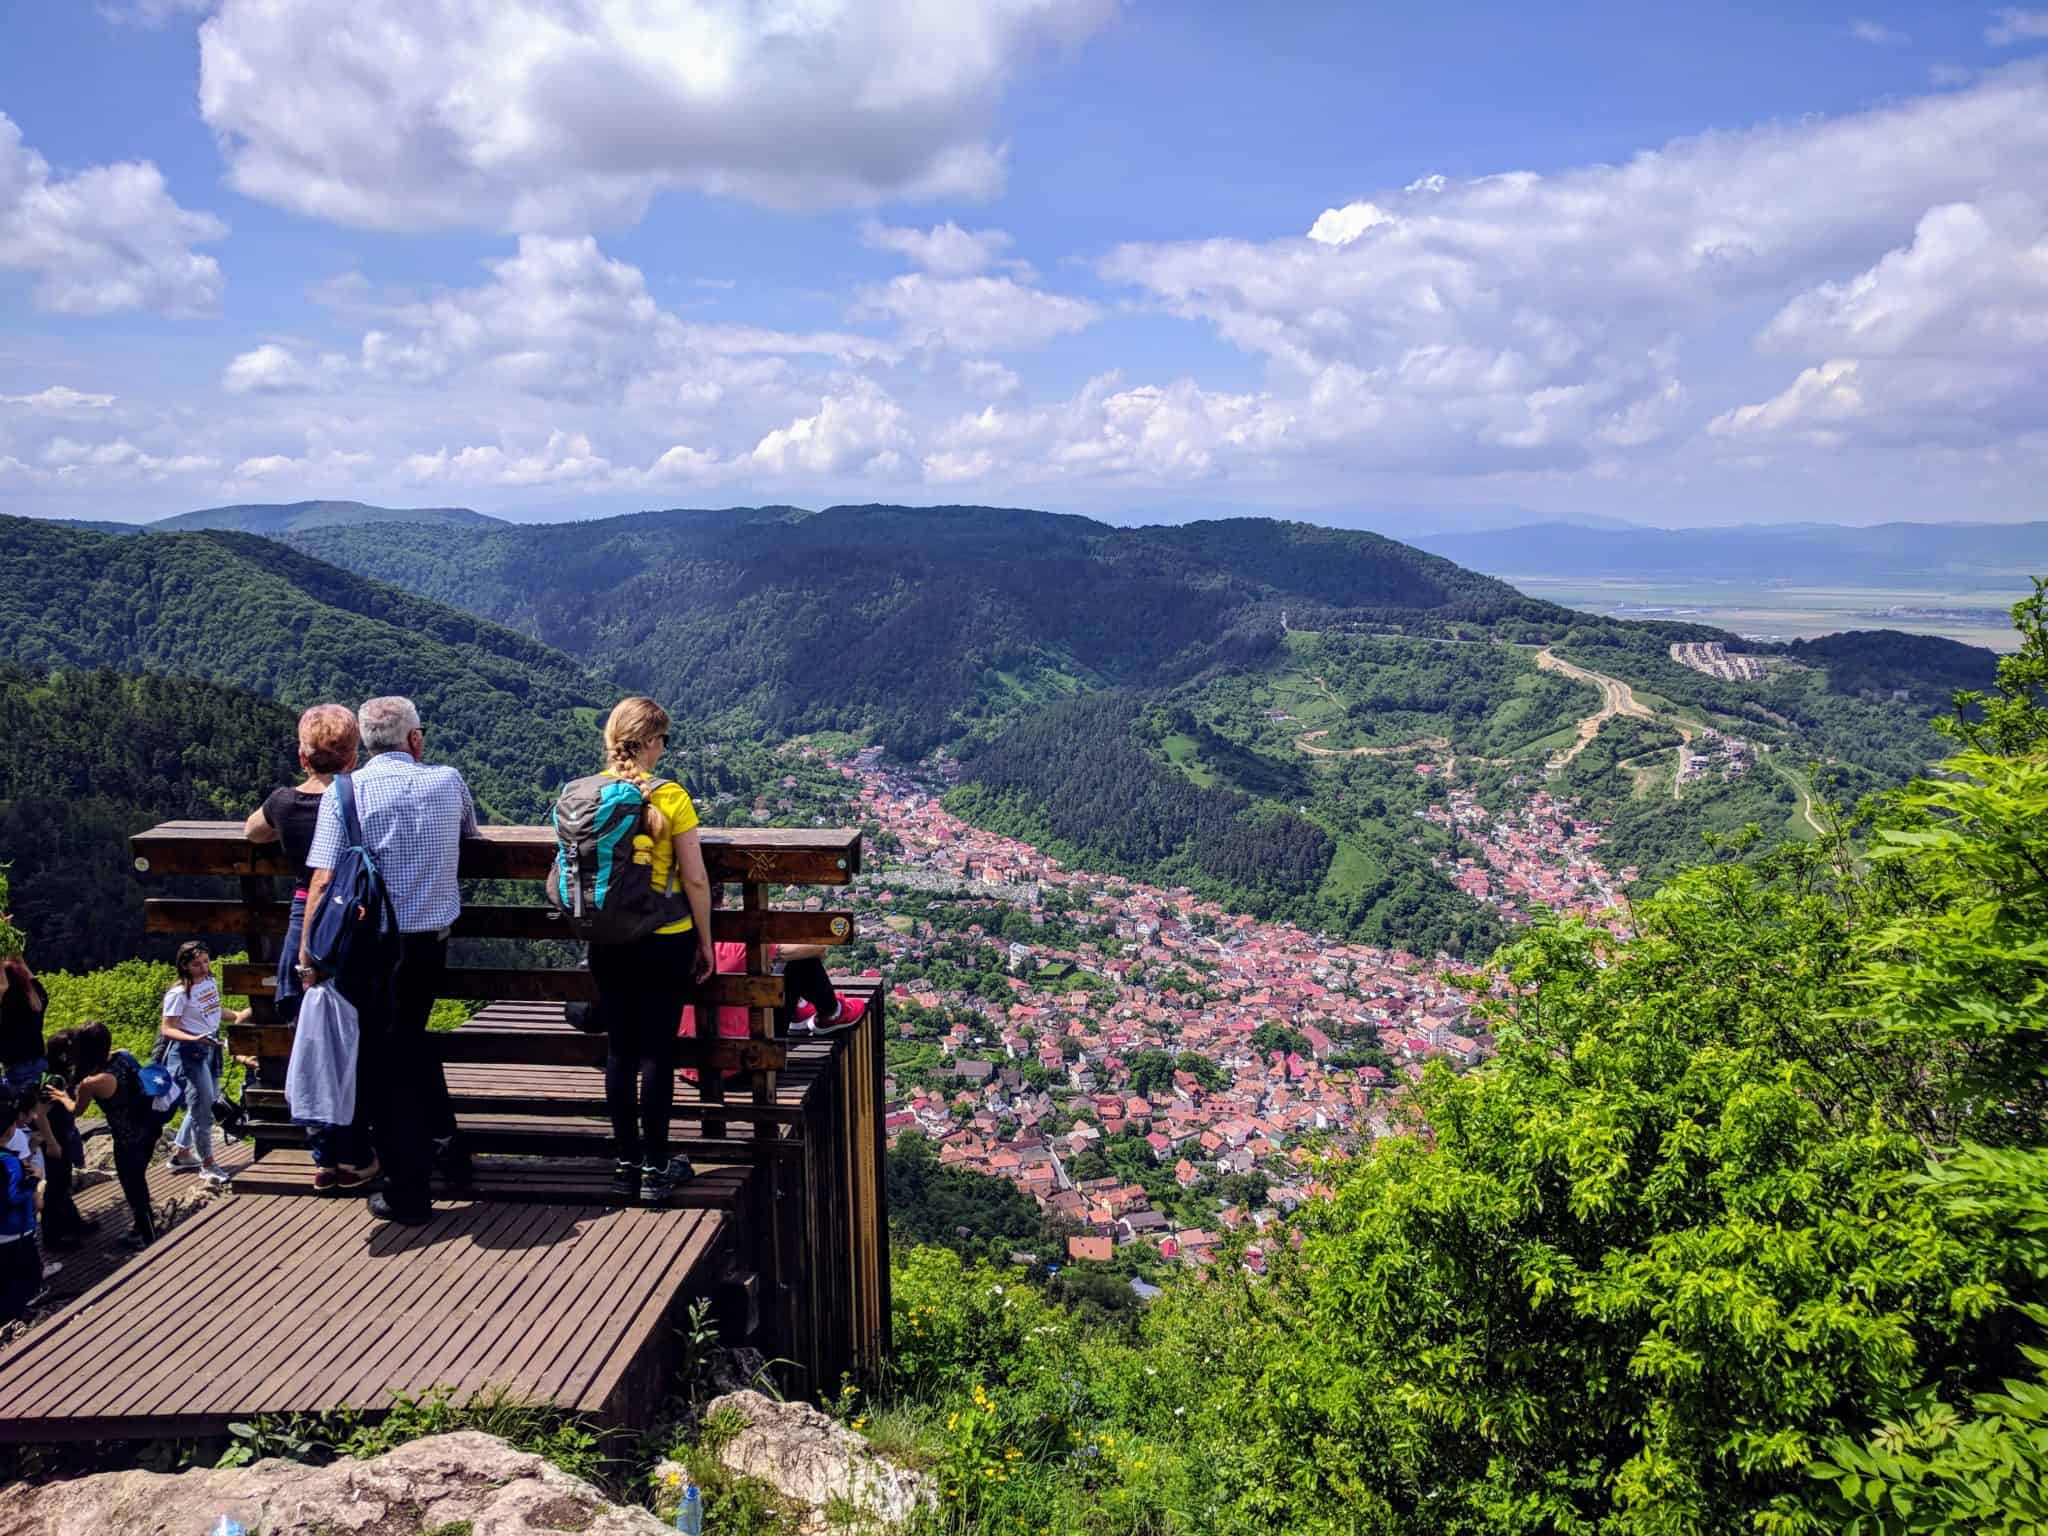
<point>414,818</point>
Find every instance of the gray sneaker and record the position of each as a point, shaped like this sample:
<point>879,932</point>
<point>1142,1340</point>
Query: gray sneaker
<point>658,1184</point>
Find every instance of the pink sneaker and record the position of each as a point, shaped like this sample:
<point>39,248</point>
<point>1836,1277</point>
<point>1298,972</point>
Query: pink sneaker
<point>851,1010</point>
<point>805,1016</point>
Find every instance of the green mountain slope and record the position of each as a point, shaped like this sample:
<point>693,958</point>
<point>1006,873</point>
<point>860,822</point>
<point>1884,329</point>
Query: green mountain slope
<point>1240,706</point>
<point>86,758</point>
<point>913,625</point>
<point>276,520</point>
<point>231,608</point>
<point>1331,756</point>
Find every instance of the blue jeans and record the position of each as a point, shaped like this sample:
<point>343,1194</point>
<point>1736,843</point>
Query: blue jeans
<point>193,1062</point>
<point>337,1146</point>
<point>286,988</point>
<point>24,1075</point>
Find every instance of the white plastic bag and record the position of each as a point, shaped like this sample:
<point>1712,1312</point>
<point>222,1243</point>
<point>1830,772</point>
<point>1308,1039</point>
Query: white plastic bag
<point>320,1083</point>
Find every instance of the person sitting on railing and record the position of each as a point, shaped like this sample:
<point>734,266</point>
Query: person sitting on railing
<point>414,817</point>
<point>191,1023</point>
<point>289,816</point>
<point>642,985</point>
<point>810,1005</point>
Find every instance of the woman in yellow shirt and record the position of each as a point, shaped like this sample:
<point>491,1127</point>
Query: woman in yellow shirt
<point>642,985</point>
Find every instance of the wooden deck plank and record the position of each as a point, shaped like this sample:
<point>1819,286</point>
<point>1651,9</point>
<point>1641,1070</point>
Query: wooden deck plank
<point>301,1248</point>
<point>616,1242</point>
<point>605,1371</point>
<point>102,1252</point>
<point>158,1320</point>
<point>124,1307</point>
<point>298,1247</point>
<point>330,1313</point>
<point>338,1309</point>
<point>553,1355</point>
<point>473,1281</point>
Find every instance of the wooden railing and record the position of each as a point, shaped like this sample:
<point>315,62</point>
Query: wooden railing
<point>815,1222</point>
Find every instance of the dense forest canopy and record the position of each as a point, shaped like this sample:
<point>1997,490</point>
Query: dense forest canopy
<point>235,609</point>
<point>910,625</point>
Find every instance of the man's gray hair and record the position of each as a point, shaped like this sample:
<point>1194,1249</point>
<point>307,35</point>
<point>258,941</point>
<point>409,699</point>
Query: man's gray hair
<point>386,723</point>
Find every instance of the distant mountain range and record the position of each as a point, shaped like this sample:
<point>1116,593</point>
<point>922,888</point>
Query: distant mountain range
<point>274,520</point>
<point>1917,556</point>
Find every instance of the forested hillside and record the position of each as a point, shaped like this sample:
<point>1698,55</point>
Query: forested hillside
<point>86,759</point>
<point>1277,685</point>
<point>232,608</point>
<point>913,626</point>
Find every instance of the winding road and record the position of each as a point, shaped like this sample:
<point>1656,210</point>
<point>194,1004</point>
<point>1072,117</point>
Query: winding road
<point>1616,698</point>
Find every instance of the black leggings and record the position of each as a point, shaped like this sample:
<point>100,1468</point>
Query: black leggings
<point>641,989</point>
<point>63,1222</point>
<point>131,1167</point>
<point>806,980</point>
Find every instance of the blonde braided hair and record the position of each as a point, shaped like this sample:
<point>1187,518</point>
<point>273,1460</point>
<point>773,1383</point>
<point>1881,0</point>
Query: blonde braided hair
<point>634,723</point>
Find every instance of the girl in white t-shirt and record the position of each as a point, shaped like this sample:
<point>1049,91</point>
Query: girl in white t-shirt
<point>192,1016</point>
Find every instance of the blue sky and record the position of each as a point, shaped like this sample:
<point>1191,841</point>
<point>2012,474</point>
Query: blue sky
<point>1677,264</point>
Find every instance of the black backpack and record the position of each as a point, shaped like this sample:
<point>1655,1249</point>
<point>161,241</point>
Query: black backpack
<point>599,882</point>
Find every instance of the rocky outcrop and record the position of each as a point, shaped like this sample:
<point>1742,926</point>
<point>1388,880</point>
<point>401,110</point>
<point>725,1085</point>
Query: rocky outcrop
<point>812,1460</point>
<point>465,1482</point>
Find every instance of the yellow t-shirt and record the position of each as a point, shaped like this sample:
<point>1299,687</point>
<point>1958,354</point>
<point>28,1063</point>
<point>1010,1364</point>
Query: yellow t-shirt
<point>659,854</point>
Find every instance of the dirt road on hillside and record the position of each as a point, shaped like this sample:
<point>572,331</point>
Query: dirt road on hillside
<point>1306,742</point>
<point>1616,698</point>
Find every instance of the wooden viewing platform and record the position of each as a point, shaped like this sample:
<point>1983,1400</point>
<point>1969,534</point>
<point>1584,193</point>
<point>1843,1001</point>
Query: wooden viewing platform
<point>535,1279</point>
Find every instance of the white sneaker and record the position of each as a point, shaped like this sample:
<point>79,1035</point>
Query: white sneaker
<point>52,1268</point>
<point>216,1175</point>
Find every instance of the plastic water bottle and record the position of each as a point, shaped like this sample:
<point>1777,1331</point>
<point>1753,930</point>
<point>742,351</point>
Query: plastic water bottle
<point>227,1525</point>
<point>690,1511</point>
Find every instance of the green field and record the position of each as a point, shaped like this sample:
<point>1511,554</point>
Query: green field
<point>1793,613</point>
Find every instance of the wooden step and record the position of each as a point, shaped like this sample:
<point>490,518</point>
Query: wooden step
<point>541,1180</point>
<point>555,1136</point>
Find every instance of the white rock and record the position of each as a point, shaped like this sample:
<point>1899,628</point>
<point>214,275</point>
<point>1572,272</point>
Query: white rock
<point>810,1459</point>
<point>422,1486</point>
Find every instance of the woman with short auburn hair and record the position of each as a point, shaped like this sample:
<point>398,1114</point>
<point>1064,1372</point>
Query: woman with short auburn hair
<point>329,742</point>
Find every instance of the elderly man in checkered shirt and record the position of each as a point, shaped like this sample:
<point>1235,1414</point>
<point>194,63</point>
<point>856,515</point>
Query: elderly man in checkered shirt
<point>414,817</point>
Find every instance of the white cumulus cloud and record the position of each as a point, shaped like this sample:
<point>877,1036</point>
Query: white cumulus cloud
<point>860,429</point>
<point>976,314</point>
<point>59,397</point>
<point>268,368</point>
<point>550,114</point>
<point>945,250</point>
<point>108,238</point>
<point>1542,317</point>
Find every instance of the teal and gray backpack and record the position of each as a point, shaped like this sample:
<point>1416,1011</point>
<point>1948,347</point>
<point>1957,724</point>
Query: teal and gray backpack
<point>607,895</point>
